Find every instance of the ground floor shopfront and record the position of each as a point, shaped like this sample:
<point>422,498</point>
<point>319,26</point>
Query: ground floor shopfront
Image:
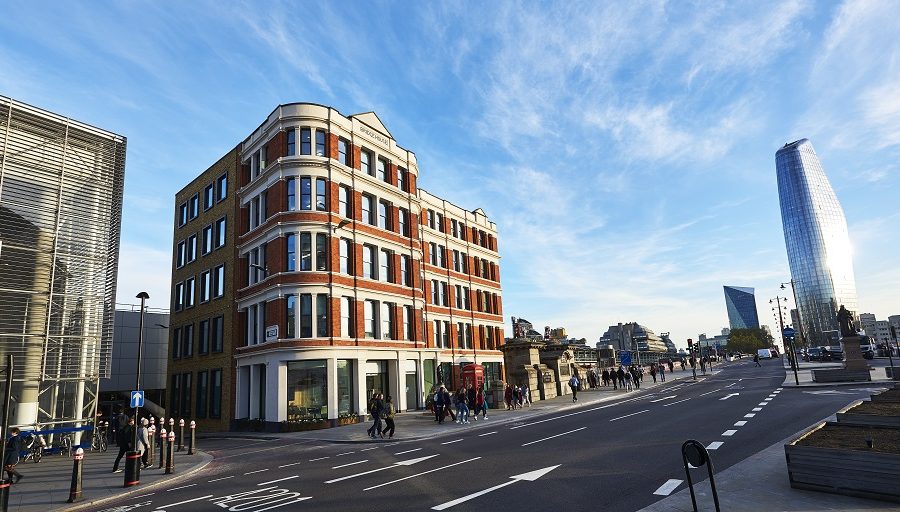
<point>331,384</point>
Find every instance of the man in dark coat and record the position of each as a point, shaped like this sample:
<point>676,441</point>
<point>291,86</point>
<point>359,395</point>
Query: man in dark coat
<point>13,447</point>
<point>125,440</point>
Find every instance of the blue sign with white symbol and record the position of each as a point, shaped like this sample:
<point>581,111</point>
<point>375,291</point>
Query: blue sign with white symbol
<point>625,357</point>
<point>788,332</point>
<point>137,399</point>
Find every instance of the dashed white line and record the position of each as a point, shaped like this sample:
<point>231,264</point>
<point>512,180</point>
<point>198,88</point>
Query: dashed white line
<point>350,464</point>
<point>667,488</point>
<point>715,445</point>
<point>142,496</point>
<point>711,392</point>
<point>551,437</point>
<point>217,479</point>
<point>257,471</point>
<point>632,414</point>
<point>574,413</point>
<point>740,423</point>
<point>408,451</point>
<point>767,399</point>
<point>170,505</point>
<point>749,415</point>
<point>678,402</point>
<point>663,398</point>
<point>372,448</point>
<point>291,464</point>
<point>454,441</point>
<point>756,409</point>
<point>320,458</point>
<point>728,433</point>
<point>345,453</point>
<point>779,389</point>
<point>418,474</point>
<point>279,480</point>
<point>487,434</point>
<point>182,487</point>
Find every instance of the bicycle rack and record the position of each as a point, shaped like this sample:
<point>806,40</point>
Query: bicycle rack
<point>694,452</point>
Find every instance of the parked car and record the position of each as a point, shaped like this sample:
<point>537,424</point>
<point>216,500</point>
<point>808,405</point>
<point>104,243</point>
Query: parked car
<point>764,353</point>
<point>813,354</point>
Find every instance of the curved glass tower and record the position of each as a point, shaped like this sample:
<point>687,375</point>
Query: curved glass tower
<point>741,304</point>
<point>817,241</point>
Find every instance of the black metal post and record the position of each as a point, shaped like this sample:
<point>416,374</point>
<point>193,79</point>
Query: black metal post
<point>75,489</point>
<point>170,463</point>
<point>163,449</point>
<point>137,385</point>
<point>4,483</point>
<point>698,456</point>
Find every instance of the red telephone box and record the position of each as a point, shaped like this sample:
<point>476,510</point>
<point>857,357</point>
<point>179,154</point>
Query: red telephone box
<point>472,375</point>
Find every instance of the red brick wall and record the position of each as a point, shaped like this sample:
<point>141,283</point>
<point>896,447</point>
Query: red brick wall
<point>334,324</point>
<point>333,146</point>
<point>276,198</point>
<point>276,147</point>
<point>412,183</point>
<point>276,255</point>
<point>356,157</point>
<point>360,319</point>
<point>391,173</point>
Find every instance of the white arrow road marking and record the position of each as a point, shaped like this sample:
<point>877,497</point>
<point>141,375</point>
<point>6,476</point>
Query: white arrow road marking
<point>419,474</point>
<point>667,488</point>
<point>529,477</point>
<point>729,432</point>
<point>729,395</point>
<point>409,462</point>
<point>664,398</point>
<point>715,445</point>
<point>551,437</point>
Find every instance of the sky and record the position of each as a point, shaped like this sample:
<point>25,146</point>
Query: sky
<point>625,150</point>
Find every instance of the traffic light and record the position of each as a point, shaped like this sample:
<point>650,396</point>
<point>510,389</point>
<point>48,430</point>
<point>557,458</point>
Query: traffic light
<point>690,344</point>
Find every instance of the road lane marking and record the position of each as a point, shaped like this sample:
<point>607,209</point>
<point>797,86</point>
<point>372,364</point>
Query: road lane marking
<point>728,433</point>
<point>767,399</point>
<point>678,402</point>
<point>142,496</point>
<point>372,448</point>
<point>715,445</point>
<point>279,480</point>
<point>551,437</point>
<point>182,487</point>
<point>740,423</point>
<point>711,392</point>
<point>667,488</point>
<point>185,501</point>
<point>756,409</point>
<point>409,462</point>
<point>531,476</point>
<point>487,434</point>
<point>419,474</point>
<point>408,451</point>
<point>350,464</point>
<point>750,415</point>
<point>291,464</point>
<point>729,395</point>
<point>454,441</point>
<point>320,458</point>
<point>345,453</point>
<point>217,479</point>
<point>574,413</point>
<point>663,398</point>
<point>257,471</point>
<point>632,414</point>
<point>762,404</point>
<point>779,389</point>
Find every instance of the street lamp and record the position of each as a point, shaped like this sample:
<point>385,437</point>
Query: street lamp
<point>797,305</point>
<point>786,340</point>
<point>132,464</point>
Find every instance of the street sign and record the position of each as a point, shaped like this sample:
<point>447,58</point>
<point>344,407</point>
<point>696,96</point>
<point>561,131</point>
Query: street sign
<point>137,399</point>
<point>625,357</point>
<point>788,332</point>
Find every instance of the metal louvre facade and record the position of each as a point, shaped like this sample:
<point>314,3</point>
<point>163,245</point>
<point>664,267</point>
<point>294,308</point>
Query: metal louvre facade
<point>61,187</point>
<point>817,241</point>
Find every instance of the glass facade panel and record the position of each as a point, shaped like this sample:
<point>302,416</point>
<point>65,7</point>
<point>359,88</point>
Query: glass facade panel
<point>741,305</point>
<point>307,390</point>
<point>345,387</point>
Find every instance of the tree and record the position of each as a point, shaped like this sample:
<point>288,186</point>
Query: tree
<point>748,340</point>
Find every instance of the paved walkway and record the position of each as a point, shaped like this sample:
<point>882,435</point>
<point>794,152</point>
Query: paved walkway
<point>46,485</point>
<point>804,374</point>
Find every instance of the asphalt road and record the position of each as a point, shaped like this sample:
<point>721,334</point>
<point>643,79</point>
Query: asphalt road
<point>610,456</point>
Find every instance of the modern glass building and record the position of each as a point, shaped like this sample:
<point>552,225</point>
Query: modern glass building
<point>817,240</point>
<point>60,214</point>
<point>741,305</point>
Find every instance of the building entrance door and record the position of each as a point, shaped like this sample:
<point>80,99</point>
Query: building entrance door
<point>376,378</point>
<point>412,385</point>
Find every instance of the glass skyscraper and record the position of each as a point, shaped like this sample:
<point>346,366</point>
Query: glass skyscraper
<point>741,304</point>
<point>817,241</point>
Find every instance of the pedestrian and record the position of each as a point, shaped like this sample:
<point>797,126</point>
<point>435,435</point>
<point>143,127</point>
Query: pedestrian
<point>13,447</point>
<point>628,385</point>
<point>653,372</point>
<point>605,377</point>
<point>375,408</point>
<point>439,405</point>
<point>481,404</point>
<point>756,359</point>
<point>671,366</point>
<point>508,396</point>
<point>573,383</point>
<point>662,372</point>
<point>448,404</point>
<point>121,422</point>
<point>388,415</point>
<point>462,409</point>
<point>621,375</point>
<point>143,446</point>
<point>125,440</point>
<point>471,396</point>
<point>526,395</point>
<point>635,378</point>
<point>682,364</point>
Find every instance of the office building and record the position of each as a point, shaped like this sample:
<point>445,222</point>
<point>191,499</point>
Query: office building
<point>60,214</point>
<point>817,241</point>
<point>116,390</point>
<point>741,305</point>
<point>632,336</point>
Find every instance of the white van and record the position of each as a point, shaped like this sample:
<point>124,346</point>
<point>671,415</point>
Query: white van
<point>764,353</point>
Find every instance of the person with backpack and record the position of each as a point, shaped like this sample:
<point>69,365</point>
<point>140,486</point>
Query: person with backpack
<point>375,408</point>
<point>125,440</point>
<point>573,383</point>
<point>481,404</point>
<point>439,405</point>
<point>13,447</point>
<point>388,415</point>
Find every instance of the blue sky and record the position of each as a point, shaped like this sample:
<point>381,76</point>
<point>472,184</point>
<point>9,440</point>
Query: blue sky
<point>625,150</point>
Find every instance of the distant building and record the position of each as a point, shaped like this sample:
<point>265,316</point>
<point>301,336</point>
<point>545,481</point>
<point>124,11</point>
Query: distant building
<point>817,240</point>
<point>153,357</point>
<point>632,336</point>
<point>867,323</point>
<point>741,305</point>
<point>670,345</point>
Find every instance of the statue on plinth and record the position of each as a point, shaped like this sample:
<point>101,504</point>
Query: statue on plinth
<point>845,319</point>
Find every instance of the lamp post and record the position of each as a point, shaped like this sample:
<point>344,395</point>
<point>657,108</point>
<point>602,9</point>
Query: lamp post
<point>788,342</point>
<point>797,305</point>
<point>132,458</point>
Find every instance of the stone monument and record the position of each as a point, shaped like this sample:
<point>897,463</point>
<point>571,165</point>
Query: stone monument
<point>522,358</point>
<point>854,367</point>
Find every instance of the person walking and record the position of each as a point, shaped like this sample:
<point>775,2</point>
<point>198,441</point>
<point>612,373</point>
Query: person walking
<point>471,398</point>
<point>526,395</point>
<point>604,377</point>
<point>662,372</point>
<point>439,405</point>
<point>756,359</point>
<point>143,445</point>
<point>508,396</point>
<point>621,375</point>
<point>13,447</point>
<point>628,385</point>
<point>653,372</point>
<point>375,408</point>
<point>481,404</point>
<point>573,383</point>
<point>388,415</point>
<point>448,403</point>
<point>671,366</point>
<point>125,440</point>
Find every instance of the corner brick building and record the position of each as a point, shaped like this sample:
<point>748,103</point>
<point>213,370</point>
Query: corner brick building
<point>346,279</point>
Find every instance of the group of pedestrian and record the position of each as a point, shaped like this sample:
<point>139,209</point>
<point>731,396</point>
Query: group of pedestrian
<point>468,402</point>
<point>125,439</point>
<point>517,397</point>
<point>381,409</point>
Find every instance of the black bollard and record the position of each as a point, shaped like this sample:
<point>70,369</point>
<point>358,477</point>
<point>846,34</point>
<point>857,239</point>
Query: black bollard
<point>193,448</point>
<point>151,432</point>
<point>132,468</point>
<point>170,463</point>
<point>163,449</point>
<point>181,434</point>
<point>75,489</point>
<point>4,495</point>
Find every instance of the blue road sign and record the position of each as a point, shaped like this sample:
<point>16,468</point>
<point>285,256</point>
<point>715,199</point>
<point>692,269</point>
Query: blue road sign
<point>788,332</point>
<point>137,399</point>
<point>625,357</point>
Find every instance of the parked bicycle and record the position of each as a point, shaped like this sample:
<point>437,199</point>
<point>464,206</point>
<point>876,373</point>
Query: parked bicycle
<point>34,446</point>
<point>98,440</point>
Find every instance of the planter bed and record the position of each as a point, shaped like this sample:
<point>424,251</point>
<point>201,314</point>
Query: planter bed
<point>833,457</point>
<point>885,414</point>
<point>891,395</point>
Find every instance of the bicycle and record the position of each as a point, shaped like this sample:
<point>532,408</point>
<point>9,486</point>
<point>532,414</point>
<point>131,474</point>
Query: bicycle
<point>65,445</point>
<point>35,448</point>
<point>98,440</point>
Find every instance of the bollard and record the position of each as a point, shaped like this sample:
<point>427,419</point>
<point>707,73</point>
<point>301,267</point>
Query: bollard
<point>132,468</point>
<point>171,427</point>
<point>75,489</point>
<point>193,448</point>
<point>170,463</point>
<point>151,433</point>
<point>181,434</point>
<point>163,450</point>
<point>4,494</point>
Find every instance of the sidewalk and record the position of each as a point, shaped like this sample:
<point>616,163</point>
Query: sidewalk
<point>760,482</point>
<point>45,485</point>
<point>414,425</point>
<point>804,375</point>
